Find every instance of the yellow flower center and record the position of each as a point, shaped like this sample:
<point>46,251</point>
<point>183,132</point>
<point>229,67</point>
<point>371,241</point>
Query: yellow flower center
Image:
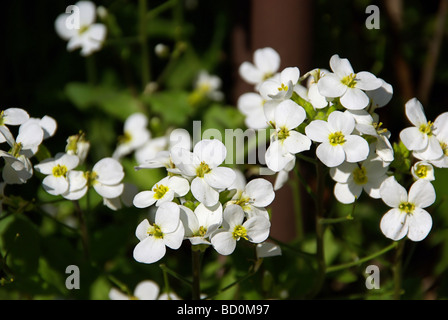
<point>83,29</point>
<point>426,128</point>
<point>160,191</point>
<point>350,80</point>
<point>202,169</point>
<point>125,138</point>
<point>283,133</point>
<point>283,87</point>
<point>91,177</point>
<point>60,171</point>
<point>202,231</point>
<point>239,232</point>
<point>421,171</point>
<point>155,231</point>
<point>336,138</point>
<point>444,146</point>
<point>359,175</point>
<point>407,207</point>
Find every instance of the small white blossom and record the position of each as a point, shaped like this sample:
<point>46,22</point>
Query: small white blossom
<point>347,85</point>
<point>423,170</point>
<point>201,223</point>
<point>286,141</point>
<point>136,134</point>
<point>337,143</point>
<point>88,35</point>
<point>106,178</point>
<point>266,63</point>
<point>251,104</point>
<point>203,166</point>
<point>165,190</point>
<point>352,178</point>
<point>234,227</point>
<point>166,231</point>
<point>282,86</point>
<point>407,216</point>
<point>256,195</point>
<point>56,170</point>
<point>421,136</point>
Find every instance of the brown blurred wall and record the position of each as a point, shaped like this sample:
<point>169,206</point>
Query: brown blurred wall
<point>286,26</point>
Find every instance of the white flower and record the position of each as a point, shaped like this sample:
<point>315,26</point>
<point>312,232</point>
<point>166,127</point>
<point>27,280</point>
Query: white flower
<point>126,198</point>
<point>283,175</point>
<point>266,63</point>
<point>281,87</point>
<point>203,166</point>
<point>336,140</point>
<point>136,134</point>
<point>18,168</point>
<point>166,231</point>
<point>12,117</point>
<point>368,124</point>
<point>201,223</point>
<point>165,190</point>
<point>88,35</point>
<point>57,169</point>
<point>144,290</point>
<point>423,170</point>
<point>106,178</point>
<point>440,132</point>
<point>352,178</point>
<point>407,216</point>
<point>381,96</point>
<point>77,185</point>
<point>286,142</point>
<point>256,195</point>
<point>251,105</point>
<point>254,229</point>
<point>347,84</point>
<point>420,137</point>
<point>78,145</point>
<point>207,85</point>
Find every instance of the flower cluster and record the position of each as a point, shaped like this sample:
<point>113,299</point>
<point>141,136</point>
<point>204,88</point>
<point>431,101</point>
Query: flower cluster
<point>200,200</point>
<point>21,148</point>
<point>335,112</point>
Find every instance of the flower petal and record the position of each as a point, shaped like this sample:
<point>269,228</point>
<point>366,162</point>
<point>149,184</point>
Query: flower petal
<point>297,142</point>
<point>223,242</point>
<point>394,224</point>
<point>413,139</point>
<point>415,113</point>
<point>420,224</point>
<point>331,156</point>
<point>260,191</point>
<point>318,130</point>
<point>202,191</point>
<point>220,177</point>
<point>422,193</point>
<point>331,86</point>
<point>144,199</point>
<point>340,66</point>
<point>356,148</point>
<point>392,193</point>
<point>289,114</point>
<point>211,151</point>
<point>167,217</point>
<point>354,99</point>
<point>341,121</point>
<point>150,250</point>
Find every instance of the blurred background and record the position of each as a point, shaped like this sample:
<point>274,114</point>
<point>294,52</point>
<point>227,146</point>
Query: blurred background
<point>408,50</point>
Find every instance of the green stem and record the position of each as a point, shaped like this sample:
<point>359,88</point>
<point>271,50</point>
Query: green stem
<point>297,206</point>
<point>362,260</point>
<point>146,73</point>
<point>320,228</point>
<point>196,266</point>
<point>398,270</point>
<point>175,274</point>
<point>84,232</point>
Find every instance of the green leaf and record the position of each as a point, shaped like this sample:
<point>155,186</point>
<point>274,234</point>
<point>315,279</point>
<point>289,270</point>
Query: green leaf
<point>171,105</point>
<point>119,104</point>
